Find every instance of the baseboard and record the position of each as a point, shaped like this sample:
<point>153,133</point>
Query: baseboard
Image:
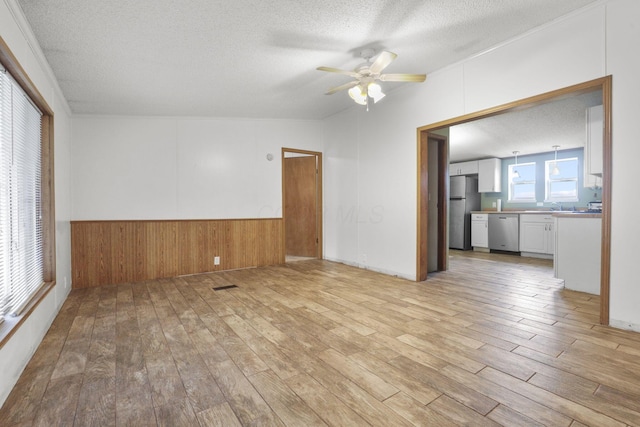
<point>536,255</point>
<point>372,268</point>
<point>624,325</point>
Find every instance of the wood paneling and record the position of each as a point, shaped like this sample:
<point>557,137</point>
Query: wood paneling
<point>109,252</point>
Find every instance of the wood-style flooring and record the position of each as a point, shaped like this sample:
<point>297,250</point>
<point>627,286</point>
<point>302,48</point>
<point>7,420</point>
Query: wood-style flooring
<point>494,341</point>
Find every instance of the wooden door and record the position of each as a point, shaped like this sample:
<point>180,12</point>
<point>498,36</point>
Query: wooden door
<point>300,182</point>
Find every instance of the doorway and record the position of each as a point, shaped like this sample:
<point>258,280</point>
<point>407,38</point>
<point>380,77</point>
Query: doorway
<point>433,160</point>
<point>605,86</point>
<point>302,204</point>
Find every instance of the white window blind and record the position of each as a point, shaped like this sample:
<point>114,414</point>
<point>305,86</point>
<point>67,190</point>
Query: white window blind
<point>21,250</point>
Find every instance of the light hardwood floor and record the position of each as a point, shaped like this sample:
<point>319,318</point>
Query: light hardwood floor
<point>494,341</point>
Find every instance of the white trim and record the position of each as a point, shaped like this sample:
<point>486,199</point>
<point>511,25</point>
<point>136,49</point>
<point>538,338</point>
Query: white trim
<point>370,268</point>
<point>620,324</point>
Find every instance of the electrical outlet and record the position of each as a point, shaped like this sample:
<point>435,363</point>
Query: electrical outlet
<point>493,205</point>
<point>66,284</point>
<point>539,204</point>
<point>216,260</point>
<point>364,258</point>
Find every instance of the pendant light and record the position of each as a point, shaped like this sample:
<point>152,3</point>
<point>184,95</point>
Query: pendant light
<point>555,171</point>
<point>515,171</point>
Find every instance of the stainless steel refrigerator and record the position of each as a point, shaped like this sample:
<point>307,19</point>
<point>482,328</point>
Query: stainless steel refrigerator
<point>463,198</point>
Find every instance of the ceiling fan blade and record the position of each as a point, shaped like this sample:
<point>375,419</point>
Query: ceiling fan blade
<point>339,71</point>
<point>382,61</point>
<point>402,77</point>
<point>342,87</point>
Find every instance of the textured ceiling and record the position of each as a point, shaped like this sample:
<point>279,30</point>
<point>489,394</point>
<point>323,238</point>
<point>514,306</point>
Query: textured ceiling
<point>248,58</point>
<point>534,130</point>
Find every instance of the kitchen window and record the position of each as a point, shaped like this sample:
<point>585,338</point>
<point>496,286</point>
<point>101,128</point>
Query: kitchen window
<point>561,182</point>
<point>522,182</point>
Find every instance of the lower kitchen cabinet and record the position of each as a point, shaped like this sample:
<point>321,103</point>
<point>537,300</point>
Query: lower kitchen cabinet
<point>577,260</point>
<point>537,235</point>
<point>480,230</point>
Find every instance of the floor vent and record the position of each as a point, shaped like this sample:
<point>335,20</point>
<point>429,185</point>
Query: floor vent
<point>222,288</point>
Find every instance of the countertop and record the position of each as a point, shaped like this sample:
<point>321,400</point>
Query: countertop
<point>570,214</point>
<point>557,214</point>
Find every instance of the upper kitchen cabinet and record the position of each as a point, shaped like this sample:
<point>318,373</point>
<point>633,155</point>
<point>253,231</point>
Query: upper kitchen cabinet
<point>490,176</point>
<point>593,143</point>
<point>463,168</point>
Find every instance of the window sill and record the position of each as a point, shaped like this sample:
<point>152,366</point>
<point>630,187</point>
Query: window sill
<point>12,324</point>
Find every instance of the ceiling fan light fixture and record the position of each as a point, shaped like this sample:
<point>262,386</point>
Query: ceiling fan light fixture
<point>364,86</point>
<point>375,91</point>
<point>358,94</point>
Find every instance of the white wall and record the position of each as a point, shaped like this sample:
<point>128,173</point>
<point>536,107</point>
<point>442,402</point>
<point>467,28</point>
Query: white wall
<point>589,44</point>
<point>182,168</point>
<point>623,62</point>
<point>341,209</point>
<point>15,354</point>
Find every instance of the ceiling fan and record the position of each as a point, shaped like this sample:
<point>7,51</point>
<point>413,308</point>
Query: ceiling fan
<point>367,74</point>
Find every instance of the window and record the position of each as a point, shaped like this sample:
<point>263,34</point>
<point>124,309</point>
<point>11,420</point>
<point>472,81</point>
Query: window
<point>563,185</point>
<point>21,230</point>
<point>522,182</point>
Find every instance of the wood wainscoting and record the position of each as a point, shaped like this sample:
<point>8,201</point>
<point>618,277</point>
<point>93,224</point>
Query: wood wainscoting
<point>109,252</point>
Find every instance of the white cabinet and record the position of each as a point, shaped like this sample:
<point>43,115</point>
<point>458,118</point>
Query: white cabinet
<point>463,168</point>
<point>537,234</point>
<point>480,230</point>
<point>490,176</point>
<point>577,259</point>
<point>593,147</point>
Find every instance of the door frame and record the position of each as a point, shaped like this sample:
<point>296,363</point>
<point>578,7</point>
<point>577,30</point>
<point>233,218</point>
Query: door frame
<point>423,202</point>
<point>319,209</point>
<point>605,85</point>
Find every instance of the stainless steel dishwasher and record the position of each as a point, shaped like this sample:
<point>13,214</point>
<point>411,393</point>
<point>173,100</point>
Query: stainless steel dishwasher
<point>504,232</point>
